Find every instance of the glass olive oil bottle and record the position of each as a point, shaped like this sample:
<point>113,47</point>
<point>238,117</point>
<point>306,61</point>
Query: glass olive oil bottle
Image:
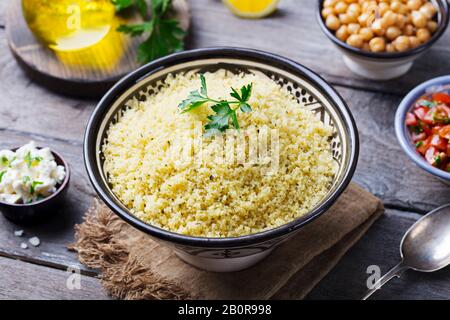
<point>69,25</point>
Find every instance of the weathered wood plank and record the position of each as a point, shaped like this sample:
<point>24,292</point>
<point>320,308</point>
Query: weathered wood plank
<point>380,247</point>
<point>294,33</point>
<point>56,233</point>
<point>29,281</point>
<point>383,168</point>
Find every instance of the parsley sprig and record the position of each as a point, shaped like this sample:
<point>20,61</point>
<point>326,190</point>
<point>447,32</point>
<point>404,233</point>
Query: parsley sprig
<point>225,111</point>
<point>30,161</point>
<point>164,34</point>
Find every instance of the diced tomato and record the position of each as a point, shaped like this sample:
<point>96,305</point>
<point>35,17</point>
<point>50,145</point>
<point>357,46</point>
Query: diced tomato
<point>422,146</point>
<point>418,136</point>
<point>444,132</point>
<point>441,97</point>
<point>411,119</point>
<point>429,116</point>
<point>448,150</point>
<point>438,142</point>
<point>420,112</point>
<point>436,129</point>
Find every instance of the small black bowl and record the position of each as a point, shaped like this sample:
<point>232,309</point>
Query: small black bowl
<point>40,210</point>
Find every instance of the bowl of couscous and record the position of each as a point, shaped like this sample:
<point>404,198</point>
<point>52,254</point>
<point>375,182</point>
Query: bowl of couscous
<point>381,39</point>
<point>221,153</point>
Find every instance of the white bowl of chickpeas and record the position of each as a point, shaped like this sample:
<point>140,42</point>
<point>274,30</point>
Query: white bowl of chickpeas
<point>380,39</point>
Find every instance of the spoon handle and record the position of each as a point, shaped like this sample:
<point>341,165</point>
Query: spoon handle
<point>394,272</point>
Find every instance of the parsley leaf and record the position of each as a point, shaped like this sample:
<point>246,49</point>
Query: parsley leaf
<point>2,174</point>
<point>4,161</point>
<point>126,4</point>
<point>164,35</point>
<point>33,186</point>
<point>224,114</point>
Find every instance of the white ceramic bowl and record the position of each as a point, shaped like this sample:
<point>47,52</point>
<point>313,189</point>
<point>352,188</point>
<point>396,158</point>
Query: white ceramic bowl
<point>384,65</point>
<point>226,254</point>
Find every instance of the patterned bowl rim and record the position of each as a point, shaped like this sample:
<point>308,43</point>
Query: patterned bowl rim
<point>386,56</point>
<point>401,130</point>
<point>90,143</point>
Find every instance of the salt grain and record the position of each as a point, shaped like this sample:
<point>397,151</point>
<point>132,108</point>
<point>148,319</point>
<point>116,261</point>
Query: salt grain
<point>23,245</point>
<point>34,241</point>
<point>18,233</point>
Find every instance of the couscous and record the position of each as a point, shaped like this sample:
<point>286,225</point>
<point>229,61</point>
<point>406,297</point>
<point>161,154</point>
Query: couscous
<point>218,197</point>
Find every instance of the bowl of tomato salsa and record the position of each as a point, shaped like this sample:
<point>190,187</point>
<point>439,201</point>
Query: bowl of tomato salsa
<point>422,125</point>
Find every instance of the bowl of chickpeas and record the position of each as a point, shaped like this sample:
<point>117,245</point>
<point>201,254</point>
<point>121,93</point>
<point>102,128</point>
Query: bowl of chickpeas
<point>380,39</point>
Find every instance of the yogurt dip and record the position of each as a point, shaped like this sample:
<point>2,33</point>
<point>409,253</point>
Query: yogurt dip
<point>28,174</point>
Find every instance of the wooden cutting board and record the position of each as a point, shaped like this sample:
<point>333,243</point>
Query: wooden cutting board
<point>66,74</point>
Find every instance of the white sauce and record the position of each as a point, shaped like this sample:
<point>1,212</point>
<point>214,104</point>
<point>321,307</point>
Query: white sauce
<point>29,174</point>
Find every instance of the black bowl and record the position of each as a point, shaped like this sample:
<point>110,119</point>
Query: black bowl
<point>40,210</point>
<point>304,84</point>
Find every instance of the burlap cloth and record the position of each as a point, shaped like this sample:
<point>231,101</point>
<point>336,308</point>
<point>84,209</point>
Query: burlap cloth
<point>133,266</point>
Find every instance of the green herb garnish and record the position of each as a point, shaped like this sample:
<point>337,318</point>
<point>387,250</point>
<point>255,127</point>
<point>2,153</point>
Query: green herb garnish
<point>33,186</point>
<point>164,35</point>
<point>438,160</point>
<point>224,113</point>
<point>30,161</point>
<point>419,144</point>
<point>2,174</point>
<point>4,161</point>
<point>25,179</point>
<point>425,103</point>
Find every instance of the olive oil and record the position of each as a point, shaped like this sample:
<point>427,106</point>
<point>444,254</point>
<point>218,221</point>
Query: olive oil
<point>69,25</point>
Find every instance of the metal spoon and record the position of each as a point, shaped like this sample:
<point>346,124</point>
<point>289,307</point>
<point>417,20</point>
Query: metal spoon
<point>425,247</point>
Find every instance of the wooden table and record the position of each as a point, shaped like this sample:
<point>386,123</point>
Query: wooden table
<point>28,111</point>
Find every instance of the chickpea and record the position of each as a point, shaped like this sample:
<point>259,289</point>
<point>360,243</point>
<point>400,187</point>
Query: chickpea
<point>329,3</point>
<point>378,28</point>
<point>383,8</point>
<point>393,32</point>
<point>408,30</point>
<point>366,34</point>
<point>327,11</point>
<point>426,12</point>
<point>353,28</point>
<point>414,42</point>
<point>342,33</point>
<point>414,4</point>
<point>388,19</point>
<point>432,26</point>
<point>364,20</point>
<point>355,40</point>
<point>423,35</point>
<point>332,22</point>
<point>401,43</point>
<point>355,8</point>
<point>390,47</point>
<point>377,44</point>
<point>401,21</point>
<point>341,7</point>
<point>418,19</point>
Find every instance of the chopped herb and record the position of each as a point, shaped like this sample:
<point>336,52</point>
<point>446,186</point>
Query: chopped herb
<point>164,35</point>
<point>33,186</point>
<point>448,169</point>
<point>224,114</point>
<point>438,160</point>
<point>4,161</point>
<point>2,174</point>
<point>419,144</point>
<point>25,179</point>
<point>31,160</point>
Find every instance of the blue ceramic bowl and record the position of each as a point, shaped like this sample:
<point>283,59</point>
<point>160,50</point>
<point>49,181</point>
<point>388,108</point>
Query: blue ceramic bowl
<point>441,84</point>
